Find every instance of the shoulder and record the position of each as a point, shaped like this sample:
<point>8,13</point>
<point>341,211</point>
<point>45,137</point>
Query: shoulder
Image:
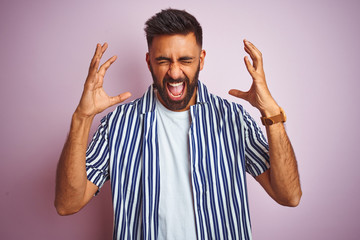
<point>217,103</point>
<point>224,105</point>
<point>127,110</point>
<point>132,110</point>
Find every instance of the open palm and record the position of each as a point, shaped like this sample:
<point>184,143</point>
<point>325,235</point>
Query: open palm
<point>94,99</point>
<point>258,95</point>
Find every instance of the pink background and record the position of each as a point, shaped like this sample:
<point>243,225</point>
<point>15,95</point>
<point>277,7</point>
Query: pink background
<point>311,55</point>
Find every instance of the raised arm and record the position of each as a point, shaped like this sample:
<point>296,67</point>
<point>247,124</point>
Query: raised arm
<point>281,181</point>
<point>73,190</point>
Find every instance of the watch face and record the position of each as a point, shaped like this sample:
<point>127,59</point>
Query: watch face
<point>268,121</point>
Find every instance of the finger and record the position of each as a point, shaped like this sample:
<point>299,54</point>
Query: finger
<point>248,65</point>
<point>95,62</point>
<point>119,98</point>
<point>249,51</point>
<point>106,65</point>
<point>239,94</point>
<point>103,48</point>
<point>254,53</point>
<point>96,66</point>
<point>252,46</point>
<point>96,54</point>
<point>92,72</point>
<point>252,56</point>
<point>258,61</point>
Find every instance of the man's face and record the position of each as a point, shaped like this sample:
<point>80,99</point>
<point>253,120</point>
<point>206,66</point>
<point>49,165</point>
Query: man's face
<point>174,62</point>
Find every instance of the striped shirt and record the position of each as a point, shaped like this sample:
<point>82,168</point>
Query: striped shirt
<point>225,142</point>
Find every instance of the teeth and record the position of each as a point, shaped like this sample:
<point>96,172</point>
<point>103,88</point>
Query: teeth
<point>176,84</point>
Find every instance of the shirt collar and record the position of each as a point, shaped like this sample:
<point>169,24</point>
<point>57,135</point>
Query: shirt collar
<point>203,96</point>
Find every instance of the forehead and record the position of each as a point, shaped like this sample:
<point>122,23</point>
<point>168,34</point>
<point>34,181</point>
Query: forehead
<point>177,44</point>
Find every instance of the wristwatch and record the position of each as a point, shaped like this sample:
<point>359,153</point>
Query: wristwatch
<point>267,121</point>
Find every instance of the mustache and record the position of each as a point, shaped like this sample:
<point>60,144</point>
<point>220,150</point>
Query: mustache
<point>172,80</point>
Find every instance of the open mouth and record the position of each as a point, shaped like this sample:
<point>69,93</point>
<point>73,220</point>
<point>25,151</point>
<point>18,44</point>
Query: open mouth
<point>176,90</point>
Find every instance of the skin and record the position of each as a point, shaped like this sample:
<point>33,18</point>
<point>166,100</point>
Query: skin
<point>175,57</point>
<point>282,180</point>
<point>73,190</point>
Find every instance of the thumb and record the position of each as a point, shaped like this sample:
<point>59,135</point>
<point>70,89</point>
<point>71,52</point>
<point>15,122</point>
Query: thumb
<point>119,98</point>
<point>239,94</point>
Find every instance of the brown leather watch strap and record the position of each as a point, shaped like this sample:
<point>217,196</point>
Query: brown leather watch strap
<point>267,121</point>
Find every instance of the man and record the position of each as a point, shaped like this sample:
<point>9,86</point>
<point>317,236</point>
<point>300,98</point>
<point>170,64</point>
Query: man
<point>176,158</point>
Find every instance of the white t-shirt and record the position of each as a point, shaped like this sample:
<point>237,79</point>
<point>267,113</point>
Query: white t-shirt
<point>176,209</point>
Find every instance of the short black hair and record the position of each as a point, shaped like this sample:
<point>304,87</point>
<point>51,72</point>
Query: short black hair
<point>171,22</point>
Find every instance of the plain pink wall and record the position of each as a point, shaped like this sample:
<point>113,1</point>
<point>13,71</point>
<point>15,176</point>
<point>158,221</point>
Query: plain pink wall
<point>311,55</point>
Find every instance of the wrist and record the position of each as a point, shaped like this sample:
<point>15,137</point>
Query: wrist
<point>80,117</point>
<point>274,118</point>
<point>270,110</point>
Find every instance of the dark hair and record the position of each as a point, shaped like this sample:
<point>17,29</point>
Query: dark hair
<point>171,22</point>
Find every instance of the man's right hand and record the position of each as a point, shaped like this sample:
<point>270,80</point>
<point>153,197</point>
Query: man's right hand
<point>73,189</point>
<point>94,99</point>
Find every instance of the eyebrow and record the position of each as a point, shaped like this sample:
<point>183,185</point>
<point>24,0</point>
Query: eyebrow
<point>186,58</point>
<point>162,58</point>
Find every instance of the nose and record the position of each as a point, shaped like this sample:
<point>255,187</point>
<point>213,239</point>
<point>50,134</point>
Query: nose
<point>175,71</point>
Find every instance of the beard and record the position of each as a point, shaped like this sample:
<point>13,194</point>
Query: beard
<point>191,87</point>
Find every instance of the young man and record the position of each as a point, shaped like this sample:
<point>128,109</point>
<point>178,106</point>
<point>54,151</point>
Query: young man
<point>176,158</point>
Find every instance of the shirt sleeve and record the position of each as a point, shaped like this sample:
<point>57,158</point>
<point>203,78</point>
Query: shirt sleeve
<point>97,155</point>
<point>256,147</point>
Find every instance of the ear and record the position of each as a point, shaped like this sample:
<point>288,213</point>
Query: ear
<point>202,59</point>
<point>147,59</point>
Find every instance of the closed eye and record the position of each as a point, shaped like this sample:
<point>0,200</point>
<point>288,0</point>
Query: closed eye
<point>186,60</point>
<point>165,60</point>
<point>162,60</point>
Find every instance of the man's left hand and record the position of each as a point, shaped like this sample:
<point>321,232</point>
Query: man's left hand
<point>259,95</point>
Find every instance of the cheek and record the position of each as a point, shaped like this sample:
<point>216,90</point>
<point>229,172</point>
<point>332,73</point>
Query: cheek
<point>160,69</point>
<point>190,73</point>
<point>158,72</point>
<point>160,76</point>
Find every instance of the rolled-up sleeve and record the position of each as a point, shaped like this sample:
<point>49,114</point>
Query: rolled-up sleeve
<point>97,155</point>
<point>256,147</point>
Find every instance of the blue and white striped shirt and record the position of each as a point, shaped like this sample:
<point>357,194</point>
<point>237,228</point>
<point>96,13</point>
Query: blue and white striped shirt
<point>224,141</point>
